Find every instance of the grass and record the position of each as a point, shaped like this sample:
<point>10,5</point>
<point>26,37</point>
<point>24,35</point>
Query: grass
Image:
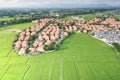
<point>5,19</point>
<point>20,26</point>
<point>11,18</point>
<point>67,18</point>
<point>91,16</point>
<point>118,18</point>
<point>79,57</point>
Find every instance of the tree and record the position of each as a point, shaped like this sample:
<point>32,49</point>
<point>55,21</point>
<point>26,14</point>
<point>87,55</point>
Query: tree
<point>117,46</point>
<point>50,47</point>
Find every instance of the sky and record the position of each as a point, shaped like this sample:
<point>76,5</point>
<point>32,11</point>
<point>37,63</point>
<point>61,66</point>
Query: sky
<point>43,3</point>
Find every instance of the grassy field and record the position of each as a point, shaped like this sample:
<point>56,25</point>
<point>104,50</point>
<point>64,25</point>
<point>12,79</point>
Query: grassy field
<point>67,18</point>
<point>80,57</point>
<point>118,18</point>
<point>20,26</point>
<point>91,16</point>
<point>4,19</point>
<point>11,18</point>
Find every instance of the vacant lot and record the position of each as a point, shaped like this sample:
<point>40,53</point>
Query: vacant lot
<point>80,57</point>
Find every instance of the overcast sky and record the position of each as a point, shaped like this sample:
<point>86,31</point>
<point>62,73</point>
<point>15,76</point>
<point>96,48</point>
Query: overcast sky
<point>26,3</point>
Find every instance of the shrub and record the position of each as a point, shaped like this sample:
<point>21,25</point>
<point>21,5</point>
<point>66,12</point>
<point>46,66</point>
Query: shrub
<point>117,46</point>
<point>50,47</point>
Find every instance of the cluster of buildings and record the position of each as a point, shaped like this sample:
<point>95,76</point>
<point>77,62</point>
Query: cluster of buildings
<point>107,30</point>
<point>110,37</point>
<point>34,39</point>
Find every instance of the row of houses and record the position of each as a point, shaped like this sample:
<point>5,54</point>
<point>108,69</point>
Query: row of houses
<point>46,37</point>
<point>23,40</point>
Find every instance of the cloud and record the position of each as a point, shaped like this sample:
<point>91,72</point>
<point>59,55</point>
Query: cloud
<point>25,3</point>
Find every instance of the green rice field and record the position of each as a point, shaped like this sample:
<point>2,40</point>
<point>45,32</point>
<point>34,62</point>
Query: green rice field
<point>79,57</point>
